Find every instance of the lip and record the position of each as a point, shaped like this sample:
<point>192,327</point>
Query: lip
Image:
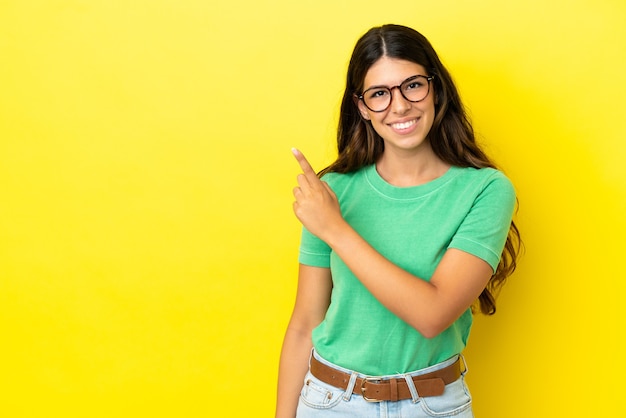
<point>404,126</point>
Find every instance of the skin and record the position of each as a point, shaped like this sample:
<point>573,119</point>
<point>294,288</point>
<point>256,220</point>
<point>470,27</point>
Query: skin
<point>408,160</point>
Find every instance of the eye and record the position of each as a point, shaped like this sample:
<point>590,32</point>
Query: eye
<point>413,85</point>
<point>377,93</point>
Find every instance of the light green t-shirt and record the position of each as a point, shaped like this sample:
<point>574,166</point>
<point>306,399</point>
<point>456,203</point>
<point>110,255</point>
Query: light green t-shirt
<point>467,209</point>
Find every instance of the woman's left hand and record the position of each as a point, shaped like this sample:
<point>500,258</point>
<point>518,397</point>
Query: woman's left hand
<point>316,205</point>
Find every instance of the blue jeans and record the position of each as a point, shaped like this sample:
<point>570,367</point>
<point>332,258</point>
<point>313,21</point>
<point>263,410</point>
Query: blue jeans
<point>319,399</point>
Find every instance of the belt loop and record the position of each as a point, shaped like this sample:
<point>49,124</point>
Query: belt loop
<point>409,382</point>
<point>310,357</point>
<point>393,390</point>
<point>350,388</point>
<point>465,368</point>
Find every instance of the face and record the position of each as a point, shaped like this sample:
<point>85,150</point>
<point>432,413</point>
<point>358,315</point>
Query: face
<point>404,125</point>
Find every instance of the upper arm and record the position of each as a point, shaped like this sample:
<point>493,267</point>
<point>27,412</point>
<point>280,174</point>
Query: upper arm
<point>485,227</point>
<point>459,279</point>
<point>312,298</point>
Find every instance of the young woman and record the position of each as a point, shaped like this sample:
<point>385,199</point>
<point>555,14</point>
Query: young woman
<point>403,233</point>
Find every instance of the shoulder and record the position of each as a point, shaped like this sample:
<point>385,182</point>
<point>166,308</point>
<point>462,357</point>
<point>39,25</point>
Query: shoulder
<point>485,179</point>
<point>340,181</point>
<point>490,194</point>
<point>483,187</point>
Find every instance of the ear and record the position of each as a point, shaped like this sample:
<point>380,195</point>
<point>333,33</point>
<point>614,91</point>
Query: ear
<point>362,109</point>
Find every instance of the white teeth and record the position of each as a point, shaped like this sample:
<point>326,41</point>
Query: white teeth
<point>404,125</point>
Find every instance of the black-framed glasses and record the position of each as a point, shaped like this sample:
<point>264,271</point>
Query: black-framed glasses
<point>414,89</point>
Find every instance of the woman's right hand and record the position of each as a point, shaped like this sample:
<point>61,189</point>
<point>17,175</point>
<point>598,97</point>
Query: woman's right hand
<point>316,204</point>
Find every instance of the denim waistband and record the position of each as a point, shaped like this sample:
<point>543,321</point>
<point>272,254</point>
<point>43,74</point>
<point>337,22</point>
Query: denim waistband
<point>425,370</point>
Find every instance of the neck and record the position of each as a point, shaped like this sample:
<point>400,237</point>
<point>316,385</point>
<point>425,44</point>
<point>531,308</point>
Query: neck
<point>405,170</point>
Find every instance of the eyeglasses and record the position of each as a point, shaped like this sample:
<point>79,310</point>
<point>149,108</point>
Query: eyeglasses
<point>414,89</point>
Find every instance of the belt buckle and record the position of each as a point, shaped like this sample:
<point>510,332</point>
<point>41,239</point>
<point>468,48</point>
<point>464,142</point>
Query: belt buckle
<point>363,382</point>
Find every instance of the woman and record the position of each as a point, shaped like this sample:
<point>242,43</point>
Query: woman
<point>403,233</point>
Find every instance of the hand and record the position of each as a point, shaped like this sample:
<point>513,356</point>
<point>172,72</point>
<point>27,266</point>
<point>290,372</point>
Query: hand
<point>316,205</point>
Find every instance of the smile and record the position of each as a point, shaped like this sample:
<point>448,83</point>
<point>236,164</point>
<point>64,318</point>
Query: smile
<point>404,125</point>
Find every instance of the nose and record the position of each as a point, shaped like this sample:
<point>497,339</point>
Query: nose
<point>399,104</point>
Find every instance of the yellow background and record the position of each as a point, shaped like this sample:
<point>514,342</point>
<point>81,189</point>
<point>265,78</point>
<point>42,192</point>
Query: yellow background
<point>147,245</point>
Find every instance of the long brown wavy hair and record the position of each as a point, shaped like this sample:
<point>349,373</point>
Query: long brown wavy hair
<point>451,135</point>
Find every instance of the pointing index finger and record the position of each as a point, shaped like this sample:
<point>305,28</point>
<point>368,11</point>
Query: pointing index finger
<point>304,164</point>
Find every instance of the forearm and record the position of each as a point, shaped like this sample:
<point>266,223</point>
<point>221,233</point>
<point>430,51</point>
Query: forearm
<point>414,300</point>
<point>294,362</point>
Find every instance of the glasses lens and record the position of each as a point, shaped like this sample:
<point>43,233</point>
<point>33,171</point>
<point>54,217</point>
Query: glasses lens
<point>377,99</point>
<point>415,89</point>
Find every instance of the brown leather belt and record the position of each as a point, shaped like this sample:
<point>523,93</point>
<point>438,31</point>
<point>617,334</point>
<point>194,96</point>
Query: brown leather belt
<point>374,389</point>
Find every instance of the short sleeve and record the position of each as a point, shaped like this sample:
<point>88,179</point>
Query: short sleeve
<point>484,230</point>
<point>313,251</point>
